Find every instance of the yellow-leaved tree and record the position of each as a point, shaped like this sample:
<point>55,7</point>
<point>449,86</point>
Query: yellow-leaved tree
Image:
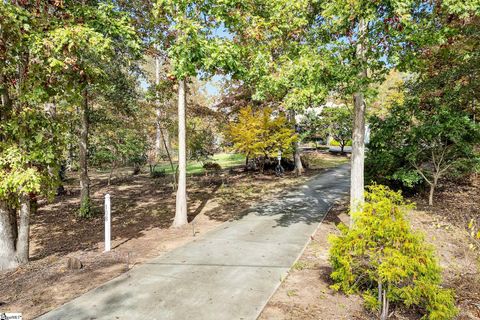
<point>260,134</point>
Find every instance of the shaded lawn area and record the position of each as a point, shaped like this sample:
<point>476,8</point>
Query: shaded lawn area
<point>225,160</point>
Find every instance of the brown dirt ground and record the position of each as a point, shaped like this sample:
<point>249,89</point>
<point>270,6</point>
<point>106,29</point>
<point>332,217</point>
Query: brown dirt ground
<point>142,212</point>
<point>306,294</point>
<point>456,202</point>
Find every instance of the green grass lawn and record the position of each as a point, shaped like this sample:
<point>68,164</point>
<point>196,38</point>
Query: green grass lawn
<point>225,160</point>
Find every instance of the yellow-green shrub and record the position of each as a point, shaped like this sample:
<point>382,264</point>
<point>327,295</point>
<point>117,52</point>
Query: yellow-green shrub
<point>382,249</point>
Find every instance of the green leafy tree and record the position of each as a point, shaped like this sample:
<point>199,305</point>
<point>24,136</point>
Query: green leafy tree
<point>85,54</point>
<point>50,53</point>
<point>118,140</point>
<point>413,145</point>
<point>281,69</point>
<point>201,144</point>
<point>447,60</point>
<point>297,81</point>
<point>382,258</point>
<point>30,138</point>
<point>365,35</point>
<point>335,122</point>
<point>432,134</point>
<point>194,49</point>
<point>312,127</point>
<point>338,120</point>
<point>389,93</point>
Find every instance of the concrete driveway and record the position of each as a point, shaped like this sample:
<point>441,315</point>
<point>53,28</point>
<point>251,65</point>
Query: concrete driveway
<point>229,273</point>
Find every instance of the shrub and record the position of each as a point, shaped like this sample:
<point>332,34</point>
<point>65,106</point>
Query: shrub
<point>212,166</point>
<point>157,173</point>
<point>381,257</point>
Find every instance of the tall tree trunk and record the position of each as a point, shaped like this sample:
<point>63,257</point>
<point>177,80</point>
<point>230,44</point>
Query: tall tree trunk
<point>358,155</point>
<point>7,238</point>
<point>23,230</point>
<point>358,143</point>
<point>85,206</point>
<point>298,160</point>
<point>158,112</point>
<point>296,148</point>
<point>181,199</point>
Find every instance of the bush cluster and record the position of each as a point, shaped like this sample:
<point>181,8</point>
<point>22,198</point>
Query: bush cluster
<point>382,258</point>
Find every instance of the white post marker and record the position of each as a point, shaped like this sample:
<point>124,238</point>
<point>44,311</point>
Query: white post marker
<point>107,222</point>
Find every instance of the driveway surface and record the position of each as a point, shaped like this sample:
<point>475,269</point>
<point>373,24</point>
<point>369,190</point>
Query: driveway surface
<point>229,273</point>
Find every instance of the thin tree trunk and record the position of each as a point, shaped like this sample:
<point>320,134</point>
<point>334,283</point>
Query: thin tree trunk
<point>166,137</point>
<point>181,217</point>
<point>23,230</point>
<point>6,102</point>
<point>4,96</point>
<point>167,150</point>
<point>384,313</point>
<point>71,138</point>
<point>85,209</point>
<point>111,174</point>
<point>433,185</point>
<point>387,307</point>
<point>474,112</point>
<point>158,134</point>
<point>430,196</point>
<point>264,160</point>
<point>296,148</point>
<point>379,298</point>
<point>7,238</point>
<point>158,114</point>
<point>358,143</point>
